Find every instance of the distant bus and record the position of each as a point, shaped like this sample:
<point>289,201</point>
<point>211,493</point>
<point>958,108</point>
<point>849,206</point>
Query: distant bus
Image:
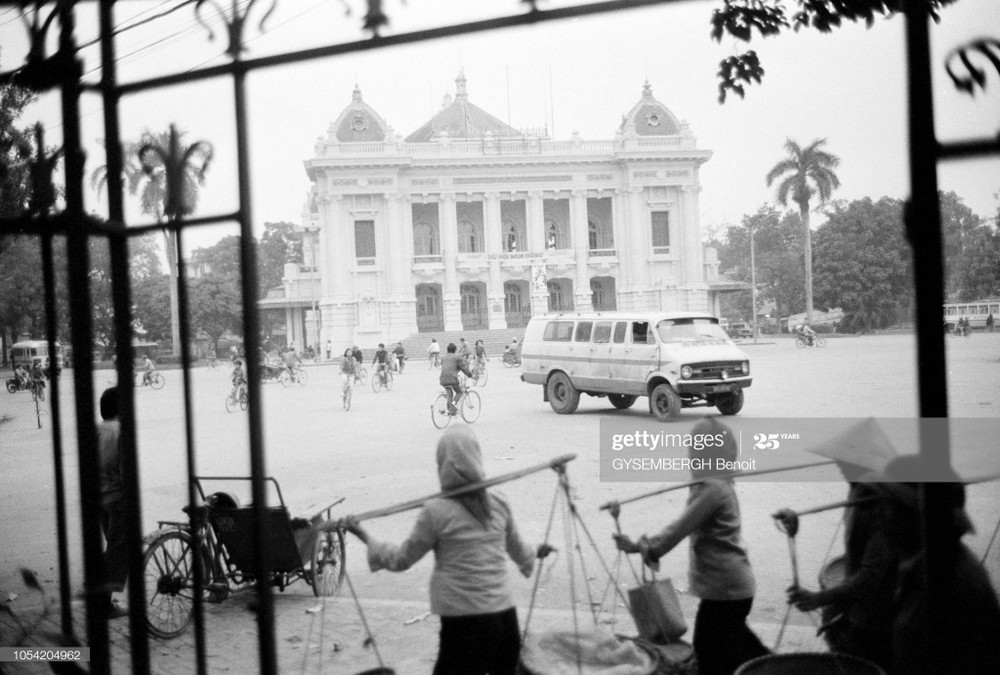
<point>975,311</point>
<point>31,351</point>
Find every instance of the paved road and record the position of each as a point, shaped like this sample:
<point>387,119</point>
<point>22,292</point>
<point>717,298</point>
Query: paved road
<point>382,452</point>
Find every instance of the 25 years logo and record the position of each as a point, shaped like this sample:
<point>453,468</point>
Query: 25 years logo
<point>771,441</point>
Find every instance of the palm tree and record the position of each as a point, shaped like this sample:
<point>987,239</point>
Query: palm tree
<point>806,172</point>
<point>166,175</point>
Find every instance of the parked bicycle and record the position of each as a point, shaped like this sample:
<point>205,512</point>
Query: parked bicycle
<point>468,405</point>
<point>225,529</point>
<point>238,397</point>
<point>382,379</point>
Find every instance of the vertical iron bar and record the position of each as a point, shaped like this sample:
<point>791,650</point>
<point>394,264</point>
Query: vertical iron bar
<point>923,222</point>
<point>248,268</point>
<point>121,293</point>
<point>51,326</point>
<point>200,573</point>
<point>83,381</point>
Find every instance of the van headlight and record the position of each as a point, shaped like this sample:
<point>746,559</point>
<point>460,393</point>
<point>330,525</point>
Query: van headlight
<point>745,367</point>
<point>685,372</point>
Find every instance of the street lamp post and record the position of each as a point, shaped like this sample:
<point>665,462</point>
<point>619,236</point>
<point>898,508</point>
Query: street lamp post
<point>753,287</point>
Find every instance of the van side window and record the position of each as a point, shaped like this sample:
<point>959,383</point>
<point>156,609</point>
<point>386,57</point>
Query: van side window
<point>620,329</point>
<point>583,331</point>
<point>558,331</point>
<point>602,332</point>
<point>640,333</point>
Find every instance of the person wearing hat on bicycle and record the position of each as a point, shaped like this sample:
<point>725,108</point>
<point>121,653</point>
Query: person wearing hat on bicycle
<point>451,365</point>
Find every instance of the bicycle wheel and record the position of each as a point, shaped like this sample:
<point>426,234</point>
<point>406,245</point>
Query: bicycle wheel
<point>302,377</point>
<point>800,343</point>
<point>820,342</point>
<point>388,380</point>
<point>472,405</point>
<point>244,399</point>
<point>327,571</point>
<point>285,378</point>
<point>439,412</point>
<point>362,374</point>
<point>156,381</point>
<point>481,376</point>
<point>231,402</point>
<point>168,568</point>
<point>376,383</point>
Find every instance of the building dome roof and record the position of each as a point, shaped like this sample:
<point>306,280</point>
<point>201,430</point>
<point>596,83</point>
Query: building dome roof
<point>649,117</point>
<point>460,119</point>
<point>359,122</point>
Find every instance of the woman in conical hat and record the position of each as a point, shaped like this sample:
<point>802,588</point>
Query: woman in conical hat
<point>472,535</point>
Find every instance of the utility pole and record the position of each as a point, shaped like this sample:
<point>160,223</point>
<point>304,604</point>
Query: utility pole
<point>753,287</point>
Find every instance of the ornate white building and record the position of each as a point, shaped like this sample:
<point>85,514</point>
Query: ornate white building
<point>470,224</point>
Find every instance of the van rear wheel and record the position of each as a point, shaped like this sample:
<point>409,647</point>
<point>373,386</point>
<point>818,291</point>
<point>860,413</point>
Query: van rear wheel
<point>664,403</point>
<point>622,401</point>
<point>563,396</point>
<point>731,403</point>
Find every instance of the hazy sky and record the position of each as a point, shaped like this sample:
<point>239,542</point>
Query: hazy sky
<point>579,75</point>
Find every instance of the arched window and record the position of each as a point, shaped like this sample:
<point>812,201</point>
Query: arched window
<point>424,240</point>
<point>467,239</point>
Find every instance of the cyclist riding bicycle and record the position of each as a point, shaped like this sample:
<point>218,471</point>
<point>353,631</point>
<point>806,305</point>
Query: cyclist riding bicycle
<point>451,365</point>
<point>807,334</point>
<point>480,353</point>
<point>434,352</point>
<point>239,377</point>
<point>381,361</point>
<point>348,371</point>
<point>463,350</point>
<point>291,362</point>
<point>147,371</point>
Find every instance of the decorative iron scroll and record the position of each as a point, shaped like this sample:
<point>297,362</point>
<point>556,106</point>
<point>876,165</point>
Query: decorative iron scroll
<point>972,76</point>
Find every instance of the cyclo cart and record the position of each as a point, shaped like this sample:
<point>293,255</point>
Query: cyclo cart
<point>298,551</point>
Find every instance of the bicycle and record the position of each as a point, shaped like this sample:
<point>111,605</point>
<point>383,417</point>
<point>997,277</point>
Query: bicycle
<point>510,360</point>
<point>213,363</point>
<point>433,360</point>
<point>346,394</point>
<point>361,374</point>
<point>382,378</point>
<point>480,374</point>
<point>224,530</point>
<point>37,388</point>
<point>295,375</point>
<point>155,380</point>
<point>468,405</point>
<point>802,342</point>
<point>238,397</point>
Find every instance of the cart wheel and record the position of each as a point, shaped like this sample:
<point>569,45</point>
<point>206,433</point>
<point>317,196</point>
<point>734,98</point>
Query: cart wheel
<point>156,381</point>
<point>231,402</point>
<point>302,377</point>
<point>439,412</point>
<point>168,567</point>
<point>328,563</point>
<point>472,405</point>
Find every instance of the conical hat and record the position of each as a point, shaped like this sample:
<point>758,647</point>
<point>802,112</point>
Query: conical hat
<point>864,445</point>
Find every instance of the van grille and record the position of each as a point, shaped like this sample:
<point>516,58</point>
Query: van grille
<point>713,370</point>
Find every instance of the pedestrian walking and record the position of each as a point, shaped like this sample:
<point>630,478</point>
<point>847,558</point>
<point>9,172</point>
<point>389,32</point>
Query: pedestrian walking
<point>113,514</point>
<point>719,570</point>
<point>329,349</point>
<point>472,536</point>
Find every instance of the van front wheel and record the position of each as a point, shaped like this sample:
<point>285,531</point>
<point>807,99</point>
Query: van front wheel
<point>563,396</point>
<point>664,403</point>
<point>622,401</point>
<point>731,403</point>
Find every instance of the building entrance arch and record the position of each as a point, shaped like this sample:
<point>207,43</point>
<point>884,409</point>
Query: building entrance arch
<point>560,295</point>
<point>475,315</point>
<point>516,303</point>
<point>602,294</point>
<point>430,309</point>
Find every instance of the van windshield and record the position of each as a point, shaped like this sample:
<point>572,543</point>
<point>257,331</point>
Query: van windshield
<point>690,330</point>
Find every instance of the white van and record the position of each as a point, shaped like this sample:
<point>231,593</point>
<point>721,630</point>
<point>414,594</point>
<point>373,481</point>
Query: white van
<point>677,359</point>
<point>34,351</point>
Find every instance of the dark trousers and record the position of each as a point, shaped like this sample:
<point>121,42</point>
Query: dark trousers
<point>453,394</point>
<point>115,553</point>
<point>722,639</point>
<point>481,644</point>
